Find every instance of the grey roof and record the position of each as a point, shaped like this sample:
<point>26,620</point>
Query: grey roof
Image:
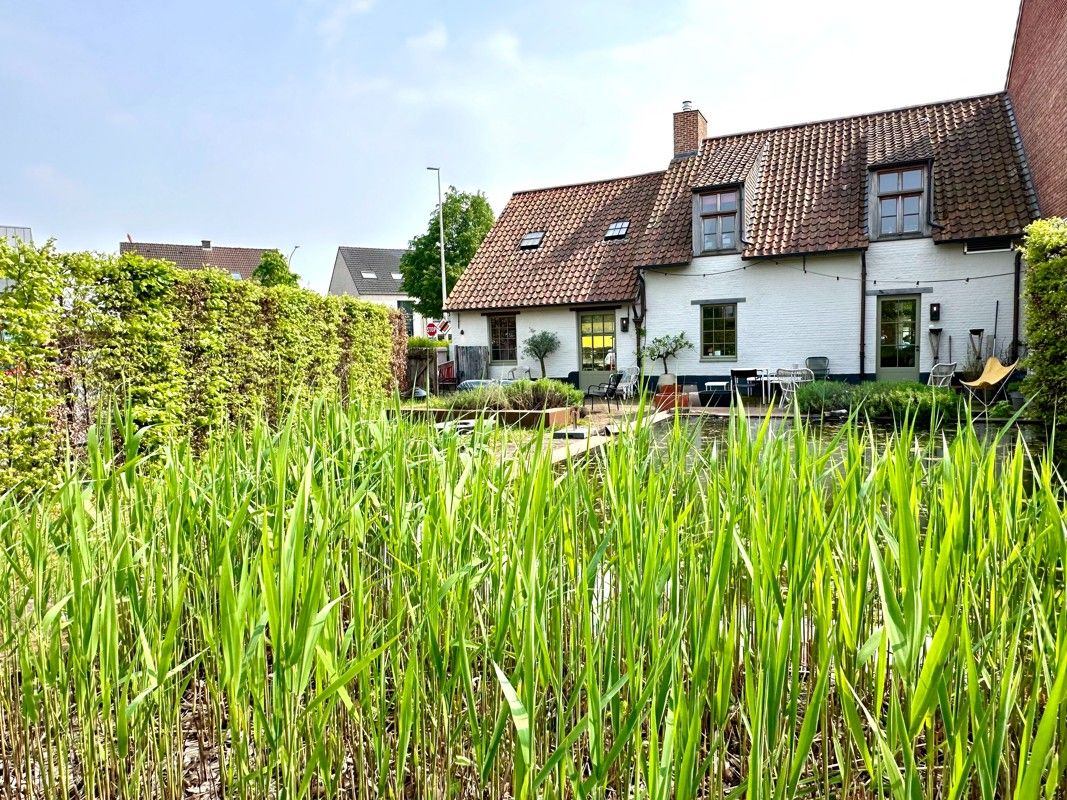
<point>383,262</point>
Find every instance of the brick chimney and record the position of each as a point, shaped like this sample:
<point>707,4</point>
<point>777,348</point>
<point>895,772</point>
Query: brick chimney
<point>690,129</point>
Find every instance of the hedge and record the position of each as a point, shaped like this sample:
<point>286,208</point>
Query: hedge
<point>187,351</point>
<point>1045,251</point>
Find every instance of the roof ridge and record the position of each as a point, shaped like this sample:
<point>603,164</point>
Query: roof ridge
<point>846,118</point>
<point>213,246</point>
<point>361,247</point>
<point>589,183</point>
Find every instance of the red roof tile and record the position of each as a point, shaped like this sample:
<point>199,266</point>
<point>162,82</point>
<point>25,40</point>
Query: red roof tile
<point>574,263</point>
<point>240,260</point>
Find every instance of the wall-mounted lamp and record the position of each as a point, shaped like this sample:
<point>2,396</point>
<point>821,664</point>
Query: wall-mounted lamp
<point>935,312</point>
<point>624,324</point>
<point>935,340</point>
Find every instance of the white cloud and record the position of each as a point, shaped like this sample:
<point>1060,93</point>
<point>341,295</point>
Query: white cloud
<point>332,26</point>
<point>504,47</point>
<point>433,41</point>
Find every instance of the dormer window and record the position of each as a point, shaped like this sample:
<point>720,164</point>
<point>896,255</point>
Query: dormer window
<point>900,202</point>
<point>618,229</point>
<point>397,276</point>
<point>718,221</point>
<point>368,275</point>
<point>531,240</point>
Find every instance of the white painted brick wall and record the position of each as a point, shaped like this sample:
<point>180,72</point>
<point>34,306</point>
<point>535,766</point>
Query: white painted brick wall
<point>471,328</point>
<point>963,305</point>
<point>789,315</point>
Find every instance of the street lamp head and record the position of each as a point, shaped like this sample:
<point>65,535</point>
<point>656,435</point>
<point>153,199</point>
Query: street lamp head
<point>434,169</point>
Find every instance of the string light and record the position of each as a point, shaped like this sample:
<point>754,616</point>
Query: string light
<point>806,271</point>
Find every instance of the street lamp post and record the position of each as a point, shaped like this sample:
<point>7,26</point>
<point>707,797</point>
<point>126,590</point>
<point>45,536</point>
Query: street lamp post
<point>289,260</point>
<point>441,234</point>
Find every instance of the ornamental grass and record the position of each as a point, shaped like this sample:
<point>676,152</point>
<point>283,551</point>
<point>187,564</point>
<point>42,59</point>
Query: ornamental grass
<point>350,605</point>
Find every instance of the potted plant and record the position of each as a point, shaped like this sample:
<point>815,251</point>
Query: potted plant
<point>540,345</point>
<point>663,348</point>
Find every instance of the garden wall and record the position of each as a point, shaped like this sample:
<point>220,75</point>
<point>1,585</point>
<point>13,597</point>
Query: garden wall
<point>188,351</point>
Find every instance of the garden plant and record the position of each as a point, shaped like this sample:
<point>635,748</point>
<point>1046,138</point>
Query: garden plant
<point>353,605</point>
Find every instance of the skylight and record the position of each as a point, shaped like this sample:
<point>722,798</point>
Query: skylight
<point>532,240</point>
<point>369,275</point>
<point>617,229</point>
<point>235,275</point>
<point>397,276</point>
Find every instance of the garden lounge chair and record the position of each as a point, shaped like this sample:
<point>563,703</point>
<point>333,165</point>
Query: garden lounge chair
<point>607,391</point>
<point>988,387</point>
<point>628,384</point>
<point>819,366</point>
<point>941,375</point>
<point>743,380</point>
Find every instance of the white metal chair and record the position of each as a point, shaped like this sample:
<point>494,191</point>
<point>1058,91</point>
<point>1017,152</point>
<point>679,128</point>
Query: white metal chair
<point>941,375</point>
<point>628,384</point>
<point>789,379</point>
<point>514,377</point>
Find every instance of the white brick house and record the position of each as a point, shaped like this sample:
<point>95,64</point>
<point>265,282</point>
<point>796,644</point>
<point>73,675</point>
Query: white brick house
<point>373,274</point>
<point>880,242</point>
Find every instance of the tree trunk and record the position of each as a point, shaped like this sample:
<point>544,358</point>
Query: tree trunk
<point>544,373</point>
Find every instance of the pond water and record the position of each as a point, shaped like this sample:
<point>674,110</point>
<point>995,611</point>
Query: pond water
<point>712,430</point>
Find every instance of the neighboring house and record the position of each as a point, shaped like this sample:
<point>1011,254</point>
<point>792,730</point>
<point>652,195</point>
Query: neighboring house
<point>373,273</point>
<point>14,233</point>
<point>880,241</point>
<point>240,262</point>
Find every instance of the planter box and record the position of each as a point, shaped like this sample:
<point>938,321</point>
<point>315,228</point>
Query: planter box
<point>669,397</point>
<point>549,417</point>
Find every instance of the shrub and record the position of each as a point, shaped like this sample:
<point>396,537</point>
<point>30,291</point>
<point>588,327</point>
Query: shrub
<point>424,342</point>
<point>1045,250</point>
<point>664,348</point>
<point>521,395</point>
<point>878,399</point>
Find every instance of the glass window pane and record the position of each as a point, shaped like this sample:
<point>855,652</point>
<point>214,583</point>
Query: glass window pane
<point>709,202</point>
<point>913,179</point>
<point>888,207</point>
<point>727,223</point>
<point>911,223</point>
<point>888,182</point>
<point>728,201</point>
<point>911,204</point>
<point>711,225</point>
<point>727,240</point>
<point>889,225</point>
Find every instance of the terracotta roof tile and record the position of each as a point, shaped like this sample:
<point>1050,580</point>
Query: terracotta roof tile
<point>806,185</point>
<point>574,263</point>
<point>240,260</point>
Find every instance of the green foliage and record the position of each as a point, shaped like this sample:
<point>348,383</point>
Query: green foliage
<point>879,399</point>
<point>354,606</point>
<point>1045,251</point>
<point>273,270</point>
<point>29,389</point>
<point>666,347</point>
<point>425,343</point>
<point>522,395</point>
<point>540,345</point>
<point>467,219</point>
<point>187,351</point>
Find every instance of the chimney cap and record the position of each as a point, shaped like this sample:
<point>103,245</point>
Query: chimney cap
<point>687,105</point>
<point>205,243</point>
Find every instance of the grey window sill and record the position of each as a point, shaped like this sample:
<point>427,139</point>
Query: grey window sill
<point>718,359</point>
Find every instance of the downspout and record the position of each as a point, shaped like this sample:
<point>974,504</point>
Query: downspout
<point>639,318</point>
<point>1015,305</point>
<point>863,315</point>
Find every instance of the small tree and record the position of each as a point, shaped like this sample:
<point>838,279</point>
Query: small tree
<point>273,270</point>
<point>667,347</point>
<point>540,345</point>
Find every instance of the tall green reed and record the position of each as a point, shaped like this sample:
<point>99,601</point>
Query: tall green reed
<point>355,605</point>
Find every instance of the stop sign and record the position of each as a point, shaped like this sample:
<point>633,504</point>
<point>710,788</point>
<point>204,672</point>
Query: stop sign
<point>431,328</point>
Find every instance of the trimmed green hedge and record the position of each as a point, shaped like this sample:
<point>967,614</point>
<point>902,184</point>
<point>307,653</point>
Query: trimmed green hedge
<point>187,351</point>
<point>1045,251</point>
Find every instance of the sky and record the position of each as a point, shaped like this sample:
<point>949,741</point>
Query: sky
<point>310,123</point>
